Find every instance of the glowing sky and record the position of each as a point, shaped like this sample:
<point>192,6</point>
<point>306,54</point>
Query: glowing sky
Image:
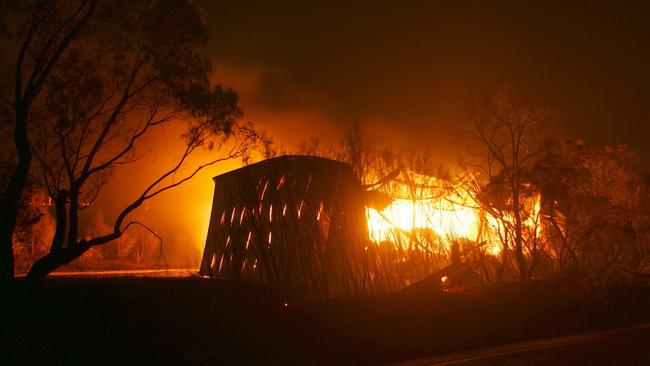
<point>405,67</point>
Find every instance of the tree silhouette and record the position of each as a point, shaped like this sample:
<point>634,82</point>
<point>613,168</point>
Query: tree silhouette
<point>505,141</point>
<point>596,209</point>
<point>39,33</point>
<point>130,69</point>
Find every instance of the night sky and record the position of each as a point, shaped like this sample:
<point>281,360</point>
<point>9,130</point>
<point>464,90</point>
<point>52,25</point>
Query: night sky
<point>405,68</point>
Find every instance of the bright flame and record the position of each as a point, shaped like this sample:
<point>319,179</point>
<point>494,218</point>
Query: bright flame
<point>531,223</point>
<point>493,248</point>
<point>445,218</point>
<point>451,213</point>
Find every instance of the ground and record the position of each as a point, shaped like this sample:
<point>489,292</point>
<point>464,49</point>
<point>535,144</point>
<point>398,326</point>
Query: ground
<point>102,321</point>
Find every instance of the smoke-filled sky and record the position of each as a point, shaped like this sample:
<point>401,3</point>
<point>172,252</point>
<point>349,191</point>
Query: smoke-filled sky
<point>404,69</point>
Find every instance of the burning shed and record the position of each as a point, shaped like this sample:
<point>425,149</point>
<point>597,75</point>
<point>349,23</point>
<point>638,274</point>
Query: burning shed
<point>295,223</point>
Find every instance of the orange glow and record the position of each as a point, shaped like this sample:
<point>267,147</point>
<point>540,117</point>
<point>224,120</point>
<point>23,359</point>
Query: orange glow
<point>531,222</point>
<point>446,218</point>
<point>447,210</point>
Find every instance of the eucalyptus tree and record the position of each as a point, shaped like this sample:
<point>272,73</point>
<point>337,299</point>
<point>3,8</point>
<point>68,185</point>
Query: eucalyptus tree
<point>102,77</point>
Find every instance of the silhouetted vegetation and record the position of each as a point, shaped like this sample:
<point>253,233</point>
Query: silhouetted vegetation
<point>544,207</point>
<point>91,80</point>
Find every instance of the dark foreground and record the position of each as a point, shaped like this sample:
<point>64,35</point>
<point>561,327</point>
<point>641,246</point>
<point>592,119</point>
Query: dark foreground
<point>106,321</point>
<point>610,347</point>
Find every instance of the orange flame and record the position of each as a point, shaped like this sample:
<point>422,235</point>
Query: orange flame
<point>451,213</point>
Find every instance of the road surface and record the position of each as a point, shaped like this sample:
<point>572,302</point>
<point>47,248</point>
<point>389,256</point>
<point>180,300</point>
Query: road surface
<point>622,346</point>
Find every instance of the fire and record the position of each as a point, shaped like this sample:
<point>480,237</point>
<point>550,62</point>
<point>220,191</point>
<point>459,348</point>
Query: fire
<point>446,209</point>
<point>437,206</point>
<point>447,219</point>
<point>530,221</point>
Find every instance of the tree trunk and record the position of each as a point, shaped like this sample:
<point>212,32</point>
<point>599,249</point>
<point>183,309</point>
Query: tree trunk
<point>11,199</point>
<point>519,249</point>
<point>519,253</point>
<point>53,260</point>
<point>7,253</point>
<point>61,220</point>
